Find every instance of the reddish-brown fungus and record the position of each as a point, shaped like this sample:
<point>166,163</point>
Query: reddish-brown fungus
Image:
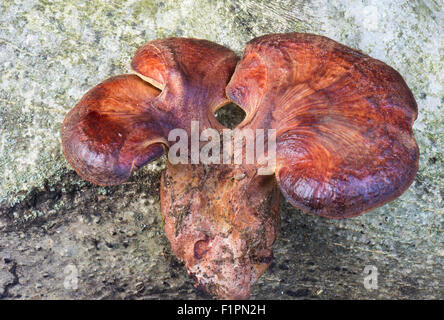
<point>344,142</point>
<point>113,130</point>
<point>344,122</point>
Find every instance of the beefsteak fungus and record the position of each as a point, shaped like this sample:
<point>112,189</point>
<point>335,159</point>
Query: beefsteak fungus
<point>344,142</point>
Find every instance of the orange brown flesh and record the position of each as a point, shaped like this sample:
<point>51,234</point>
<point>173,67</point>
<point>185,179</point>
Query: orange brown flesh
<point>344,142</point>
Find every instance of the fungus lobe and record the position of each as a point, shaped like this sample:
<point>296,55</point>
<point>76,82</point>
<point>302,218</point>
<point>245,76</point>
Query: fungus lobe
<point>344,122</point>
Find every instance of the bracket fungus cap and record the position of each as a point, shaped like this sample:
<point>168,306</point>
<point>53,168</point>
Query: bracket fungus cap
<point>343,119</point>
<point>123,123</point>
